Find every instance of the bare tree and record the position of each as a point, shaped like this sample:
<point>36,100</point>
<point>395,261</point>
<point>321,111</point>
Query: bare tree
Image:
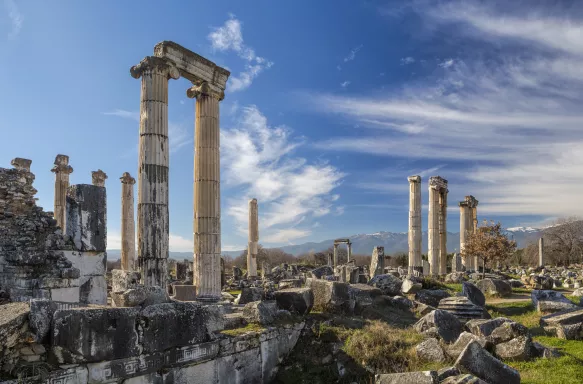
<point>563,241</point>
<point>490,244</point>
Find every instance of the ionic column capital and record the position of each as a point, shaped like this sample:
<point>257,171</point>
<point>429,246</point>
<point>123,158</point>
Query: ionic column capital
<point>206,89</point>
<point>155,64</point>
<point>21,164</point>
<point>98,178</point>
<point>127,179</point>
<point>414,179</point>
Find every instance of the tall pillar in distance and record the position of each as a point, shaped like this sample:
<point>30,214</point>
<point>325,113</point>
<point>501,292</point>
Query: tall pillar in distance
<point>98,178</point>
<point>335,255</point>
<point>153,220</point>
<point>436,223</point>
<point>541,259</point>
<point>415,231</point>
<point>128,235</point>
<point>207,192</point>
<point>443,230</point>
<point>253,238</point>
<point>465,230</point>
<point>62,170</point>
<point>348,251</point>
<point>474,221</point>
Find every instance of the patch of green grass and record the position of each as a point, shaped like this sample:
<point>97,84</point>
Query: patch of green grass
<point>251,327</point>
<point>235,292</point>
<point>575,299</point>
<point>521,312</point>
<point>454,287</point>
<point>521,290</point>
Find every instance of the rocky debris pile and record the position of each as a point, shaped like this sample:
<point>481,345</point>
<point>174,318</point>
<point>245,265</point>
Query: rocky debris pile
<point>126,291</point>
<point>494,287</point>
<point>550,301</point>
<point>462,308</point>
<point>566,324</point>
<point>477,347</point>
<point>32,264</point>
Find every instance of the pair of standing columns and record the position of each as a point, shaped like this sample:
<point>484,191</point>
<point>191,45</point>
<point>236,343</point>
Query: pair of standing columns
<point>437,228</point>
<point>468,225</point>
<point>153,220</point>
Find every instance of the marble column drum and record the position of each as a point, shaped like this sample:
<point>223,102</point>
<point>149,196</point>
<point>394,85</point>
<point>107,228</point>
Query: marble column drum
<point>62,170</point>
<point>443,231</point>
<point>415,231</point>
<point>153,220</point>
<point>128,235</point>
<point>207,193</point>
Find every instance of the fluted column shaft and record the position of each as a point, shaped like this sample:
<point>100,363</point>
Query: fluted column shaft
<point>128,235</point>
<point>465,229</point>
<point>349,251</point>
<point>153,220</point>
<point>62,170</point>
<point>443,232</point>
<point>335,255</point>
<point>541,258</point>
<point>207,194</point>
<point>433,237</point>
<point>474,226</point>
<point>253,238</point>
<point>415,232</point>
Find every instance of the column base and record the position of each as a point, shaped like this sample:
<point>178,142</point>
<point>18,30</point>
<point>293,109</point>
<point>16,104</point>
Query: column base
<point>208,298</point>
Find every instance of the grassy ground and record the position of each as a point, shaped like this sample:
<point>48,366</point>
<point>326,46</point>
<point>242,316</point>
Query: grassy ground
<point>567,369</point>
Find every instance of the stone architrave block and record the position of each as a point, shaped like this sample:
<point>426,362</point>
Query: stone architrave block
<point>122,280</point>
<point>87,217</point>
<point>93,290</point>
<point>67,295</point>
<point>100,334</point>
<point>184,292</point>
<point>41,316</point>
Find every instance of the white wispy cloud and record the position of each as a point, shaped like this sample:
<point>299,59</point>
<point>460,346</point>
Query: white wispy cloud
<point>258,160</point>
<point>345,84</point>
<point>508,110</point>
<point>407,60</point>
<point>229,37</point>
<point>352,55</point>
<point>178,134</point>
<point>15,17</point>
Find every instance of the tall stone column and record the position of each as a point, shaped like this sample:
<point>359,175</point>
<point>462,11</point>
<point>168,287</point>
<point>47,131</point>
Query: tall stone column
<point>128,235</point>
<point>465,229</point>
<point>207,192</point>
<point>62,170</point>
<point>348,251</point>
<point>415,231</point>
<point>541,258</point>
<point>474,223</point>
<point>335,255</point>
<point>98,178</point>
<point>443,231</point>
<point>153,227</point>
<point>253,238</point>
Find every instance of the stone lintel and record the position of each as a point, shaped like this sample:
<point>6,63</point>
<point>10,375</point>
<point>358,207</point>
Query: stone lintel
<point>437,182</point>
<point>21,164</point>
<point>340,241</point>
<point>193,66</point>
<point>414,179</point>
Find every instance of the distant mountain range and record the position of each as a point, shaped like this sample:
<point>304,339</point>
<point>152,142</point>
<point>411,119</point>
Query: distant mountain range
<point>364,243</point>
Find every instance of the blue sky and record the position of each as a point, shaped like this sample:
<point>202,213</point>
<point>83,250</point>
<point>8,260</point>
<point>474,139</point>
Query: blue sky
<point>330,106</point>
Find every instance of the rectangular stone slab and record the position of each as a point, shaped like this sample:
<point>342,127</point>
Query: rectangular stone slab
<point>191,65</point>
<point>569,316</point>
<point>482,364</point>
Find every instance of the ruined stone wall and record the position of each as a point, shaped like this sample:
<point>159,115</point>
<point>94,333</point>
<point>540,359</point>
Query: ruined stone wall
<point>32,260</point>
<point>177,342</point>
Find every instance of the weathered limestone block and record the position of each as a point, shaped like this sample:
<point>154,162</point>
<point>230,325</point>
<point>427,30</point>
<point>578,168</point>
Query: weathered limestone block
<point>463,379</point>
<point>262,312</point>
<point>377,262</point>
<point>93,290</point>
<point>508,331</point>
<point>446,372</point>
<point>68,295</point>
<point>41,316</point>
<point>431,297</point>
<point>430,350</point>
<point>485,328</point>
<point>13,325</point>
<point>274,350</point>
<point>100,334</point>
<point>241,367</point>
<point>410,286</point>
<point>445,325</point>
<point>550,301</point>
<point>569,316</point>
<point>387,283</point>
<point>462,308</point>
<point>570,331</point>
<point>480,363</point>
<point>251,294</point>
<point>328,295</point>
<point>494,287</point>
<point>424,377</point>
<point>87,217</point>
<point>473,293</point>
<point>363,295</point>
<point>290,283</point>
<point>178,324</point>
<point>184,292</point>
<point>518,349</point>
<point>123,280</point>
<point>462,341</point>
<point>296,300</point>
